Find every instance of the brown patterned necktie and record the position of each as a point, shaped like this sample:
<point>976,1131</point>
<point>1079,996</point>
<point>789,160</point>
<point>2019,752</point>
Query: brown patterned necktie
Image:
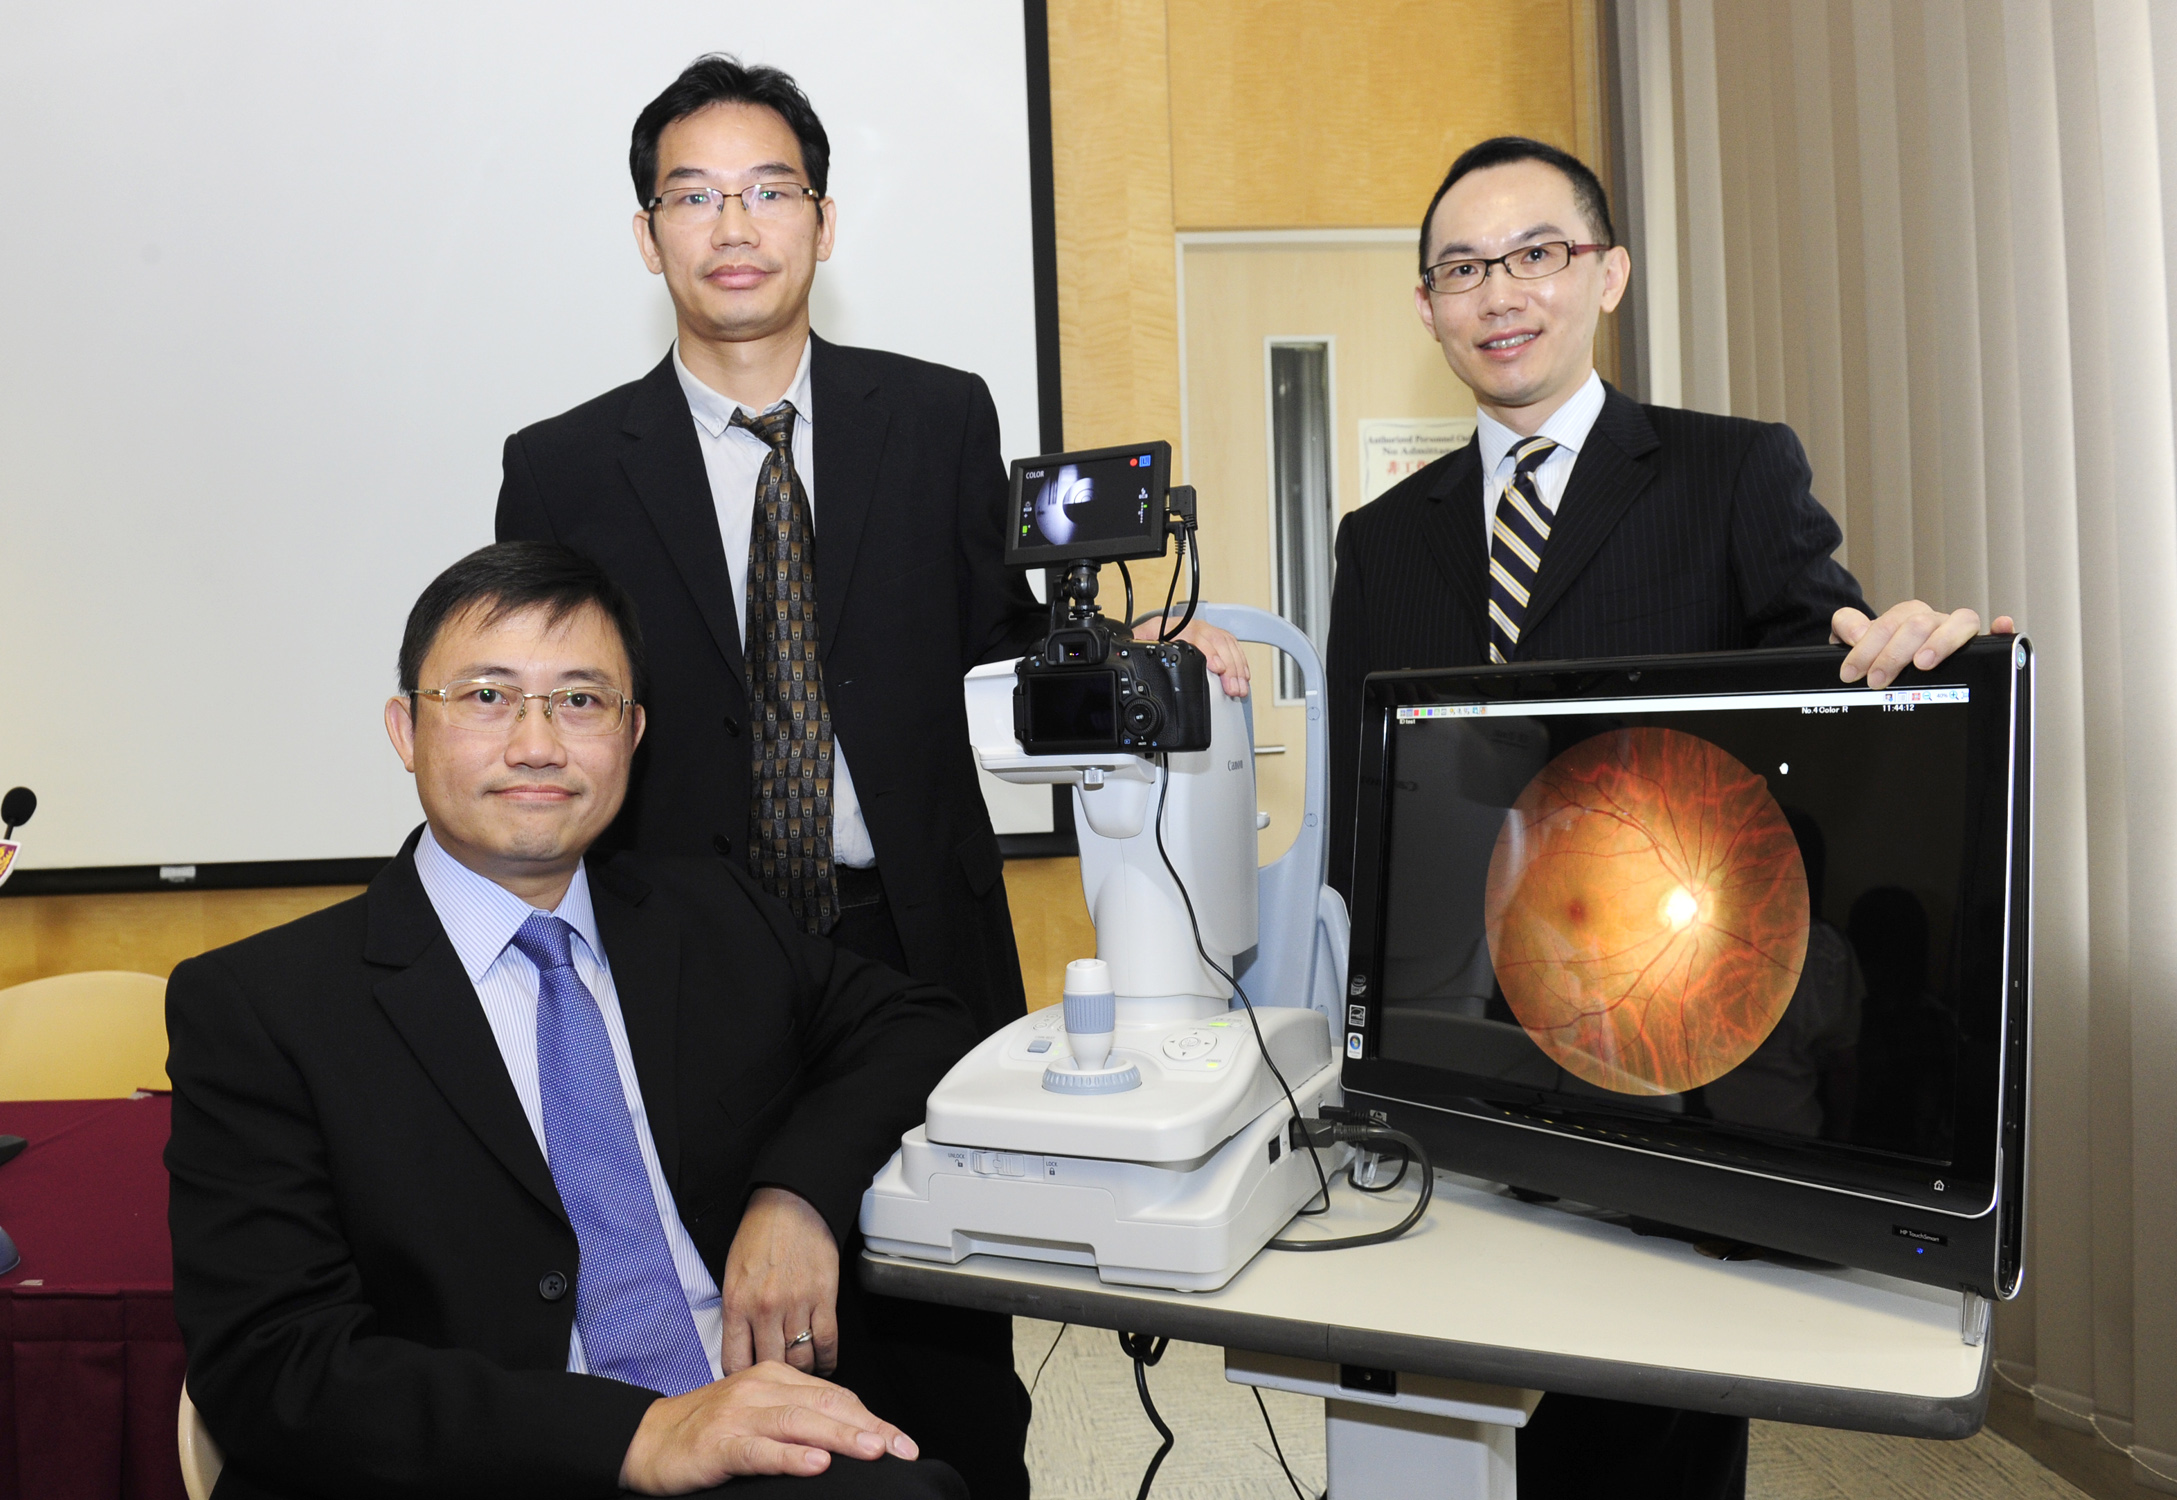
<point>790,793</point>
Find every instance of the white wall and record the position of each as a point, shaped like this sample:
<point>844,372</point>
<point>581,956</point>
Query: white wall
<point>276,280</point>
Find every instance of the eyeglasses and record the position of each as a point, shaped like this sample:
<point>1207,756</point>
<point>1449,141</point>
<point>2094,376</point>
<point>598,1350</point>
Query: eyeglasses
<point>1448,278</point>
<point>498,706</point>
<point>773,202</point>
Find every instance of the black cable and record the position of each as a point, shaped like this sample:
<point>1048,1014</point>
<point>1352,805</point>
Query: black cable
<point>1164,632</point>
<point>1334,1128</point>
<point>1275,1446</point>
<point>1128,579</point>
<point>1038,1380</point>
<point>1146,1351</point>
<point>1194,577</point>
<point>1321,1177</point>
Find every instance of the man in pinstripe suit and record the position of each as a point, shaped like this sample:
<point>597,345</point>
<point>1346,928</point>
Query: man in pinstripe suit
<point>1577,523</point>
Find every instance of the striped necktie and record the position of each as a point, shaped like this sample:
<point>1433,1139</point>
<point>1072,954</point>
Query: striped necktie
<point>1516,540</point>
<point>629,1303</point>
<point>790,792</point>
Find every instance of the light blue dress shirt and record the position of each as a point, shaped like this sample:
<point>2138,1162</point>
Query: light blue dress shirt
<point>1567,427</point>
<point>481,918</point>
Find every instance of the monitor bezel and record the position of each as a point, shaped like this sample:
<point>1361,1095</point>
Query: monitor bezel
<point>1051,554</point>
<point>1990,1092</point>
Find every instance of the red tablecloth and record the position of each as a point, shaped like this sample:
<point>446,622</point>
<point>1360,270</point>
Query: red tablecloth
<point>90,1358</point>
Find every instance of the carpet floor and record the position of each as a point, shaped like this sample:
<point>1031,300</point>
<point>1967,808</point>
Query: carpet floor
<point>1090,1440</point>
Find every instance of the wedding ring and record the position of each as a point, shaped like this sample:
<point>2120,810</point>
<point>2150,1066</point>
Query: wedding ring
<point>801,1338</point>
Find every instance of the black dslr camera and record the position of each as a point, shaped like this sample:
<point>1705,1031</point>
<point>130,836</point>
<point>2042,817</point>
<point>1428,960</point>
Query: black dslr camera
<point>1089,687</point>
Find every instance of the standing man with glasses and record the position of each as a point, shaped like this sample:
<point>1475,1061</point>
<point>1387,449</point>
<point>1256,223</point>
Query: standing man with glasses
<point>460,1166</point>
<point>1578,523</point>
<point>813,536</point>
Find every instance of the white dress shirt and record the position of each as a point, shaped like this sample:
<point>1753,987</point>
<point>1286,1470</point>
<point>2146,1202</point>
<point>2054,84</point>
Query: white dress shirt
<point>481,918</point>
<point>1568,427</point>
<point>733,457</point>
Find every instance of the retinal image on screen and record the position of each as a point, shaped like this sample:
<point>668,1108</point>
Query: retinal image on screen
<point>1736,918</point>
<point>1074,504</point>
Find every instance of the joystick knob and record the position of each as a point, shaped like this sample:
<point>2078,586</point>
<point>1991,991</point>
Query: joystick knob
<point>1092,1021</point>
<point>1091,1012</point>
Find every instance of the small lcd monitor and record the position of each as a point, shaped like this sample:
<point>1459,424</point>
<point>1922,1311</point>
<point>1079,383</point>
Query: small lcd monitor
<point>1101,505</point>
<point>1715,941</point>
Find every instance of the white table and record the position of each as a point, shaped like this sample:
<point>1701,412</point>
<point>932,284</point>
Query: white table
<point>1489,1301</point>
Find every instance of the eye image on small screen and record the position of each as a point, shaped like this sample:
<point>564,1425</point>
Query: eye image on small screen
<point>1646,911</point>
<point>1746,917</point>
<point>1108,500</point>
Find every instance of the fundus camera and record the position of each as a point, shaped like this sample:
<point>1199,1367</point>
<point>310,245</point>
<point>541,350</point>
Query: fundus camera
<point>1090,688</point>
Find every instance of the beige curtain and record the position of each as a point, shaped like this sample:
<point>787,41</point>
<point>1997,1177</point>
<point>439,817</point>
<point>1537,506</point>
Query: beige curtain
<point>1934,236</point>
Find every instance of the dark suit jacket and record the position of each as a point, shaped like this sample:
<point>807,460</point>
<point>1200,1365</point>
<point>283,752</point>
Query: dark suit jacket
<point>1678,532</point>
<point>910,499</point>
<point>367,1240</point>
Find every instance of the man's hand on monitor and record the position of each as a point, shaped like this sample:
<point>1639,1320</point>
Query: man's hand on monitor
<point>1222,647</point>
<point>769,1419</point>
<point>1910,633</point>
<point>782,1279</point>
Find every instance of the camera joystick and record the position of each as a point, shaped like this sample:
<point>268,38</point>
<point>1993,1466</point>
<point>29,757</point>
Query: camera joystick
<point>1092,1012</point>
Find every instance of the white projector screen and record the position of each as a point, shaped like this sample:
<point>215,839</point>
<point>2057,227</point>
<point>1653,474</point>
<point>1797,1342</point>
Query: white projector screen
<point>277,280</point>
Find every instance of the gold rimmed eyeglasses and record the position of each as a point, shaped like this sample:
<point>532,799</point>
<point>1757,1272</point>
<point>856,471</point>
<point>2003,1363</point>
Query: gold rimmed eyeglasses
<point>483,704</point>
<point>703,204</point>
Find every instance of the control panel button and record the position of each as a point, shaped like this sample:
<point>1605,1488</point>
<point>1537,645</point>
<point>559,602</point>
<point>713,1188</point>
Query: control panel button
<point>1040,1044</point>
<point>1188,1046</point>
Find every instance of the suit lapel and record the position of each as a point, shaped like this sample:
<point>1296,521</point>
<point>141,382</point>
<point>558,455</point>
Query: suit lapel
<point>663,460</point>
<point>850,434</point>
<point>644,952</point>
<point>428,997</point>
<point>1455,541</point>
<point>1612,470</point>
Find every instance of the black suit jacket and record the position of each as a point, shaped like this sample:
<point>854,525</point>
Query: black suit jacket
<point>910,500</point>
<point>1679,532</point>
<point>366,1235</point>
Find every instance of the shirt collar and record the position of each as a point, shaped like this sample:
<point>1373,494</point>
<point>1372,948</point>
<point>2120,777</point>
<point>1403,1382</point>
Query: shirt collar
<point>714,413</point>
<point>481,916</point>
<point>1568,426</point>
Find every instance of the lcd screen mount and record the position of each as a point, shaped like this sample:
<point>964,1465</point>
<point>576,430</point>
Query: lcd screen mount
<point>1715,941</point>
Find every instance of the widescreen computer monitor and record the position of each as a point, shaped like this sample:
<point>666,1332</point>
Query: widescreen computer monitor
<point>1716,941</point>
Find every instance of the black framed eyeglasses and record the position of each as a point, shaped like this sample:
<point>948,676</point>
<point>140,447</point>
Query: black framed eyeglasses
<point>1448,278</point>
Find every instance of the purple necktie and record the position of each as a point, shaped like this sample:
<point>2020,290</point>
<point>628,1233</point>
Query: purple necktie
<point>629,1305</point>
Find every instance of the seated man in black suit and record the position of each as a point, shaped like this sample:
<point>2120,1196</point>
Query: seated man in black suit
<point>460,1167</point>
<point>1581,523</point>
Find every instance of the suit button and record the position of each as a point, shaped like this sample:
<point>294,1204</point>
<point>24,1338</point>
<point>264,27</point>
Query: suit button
<point>722,844</point>
<point>552,1286</point>
<point>733,726</point>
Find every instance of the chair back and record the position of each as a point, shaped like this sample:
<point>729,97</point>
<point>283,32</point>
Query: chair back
<point>97,1035</point>
<point>201,1459</point>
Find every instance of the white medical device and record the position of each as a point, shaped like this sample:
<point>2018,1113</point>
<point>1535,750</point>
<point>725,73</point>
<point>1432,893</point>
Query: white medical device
<point>1135,1126</point>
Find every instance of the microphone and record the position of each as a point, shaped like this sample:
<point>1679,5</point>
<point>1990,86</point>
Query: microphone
<point>16,808</point>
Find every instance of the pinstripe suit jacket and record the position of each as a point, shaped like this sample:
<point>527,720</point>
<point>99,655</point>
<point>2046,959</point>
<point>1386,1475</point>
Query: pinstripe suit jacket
<point>1679,531</point>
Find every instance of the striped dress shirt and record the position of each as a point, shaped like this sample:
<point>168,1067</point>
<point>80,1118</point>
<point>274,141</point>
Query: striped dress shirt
<point>481,918</point>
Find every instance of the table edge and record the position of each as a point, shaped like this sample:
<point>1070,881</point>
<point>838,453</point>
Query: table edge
<point>1859,1410</point>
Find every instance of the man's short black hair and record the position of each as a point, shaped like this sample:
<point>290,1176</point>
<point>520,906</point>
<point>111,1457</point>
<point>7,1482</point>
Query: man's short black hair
<point>508,577</point>
<point>1587,189</point>
<point>717,78</point>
